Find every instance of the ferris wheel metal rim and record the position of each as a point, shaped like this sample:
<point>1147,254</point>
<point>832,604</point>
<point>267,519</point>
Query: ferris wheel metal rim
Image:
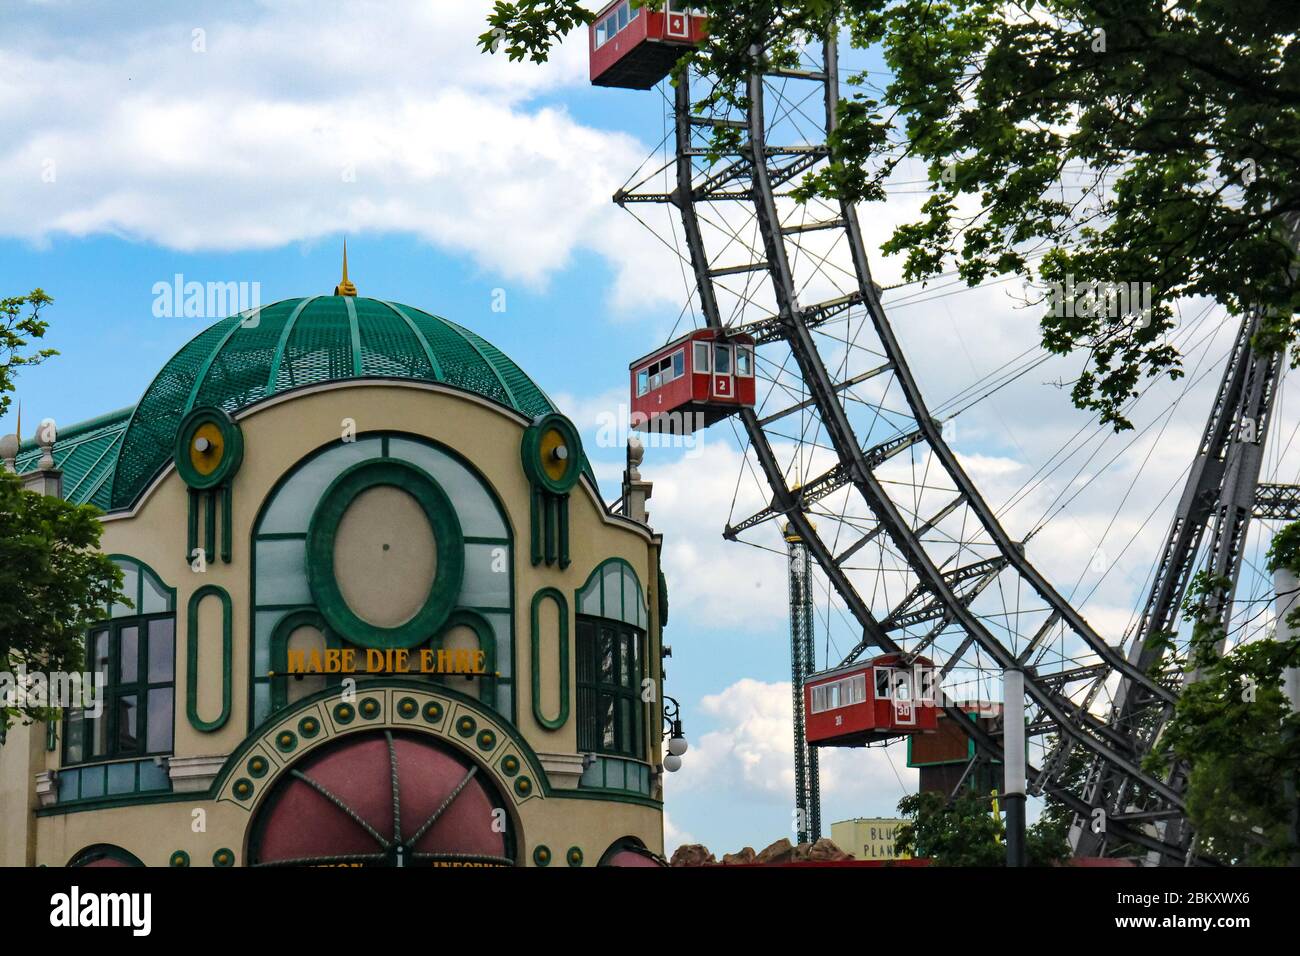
<point>684,197</point>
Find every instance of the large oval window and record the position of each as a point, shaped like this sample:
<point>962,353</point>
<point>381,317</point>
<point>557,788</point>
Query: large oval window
<point>385,555</point>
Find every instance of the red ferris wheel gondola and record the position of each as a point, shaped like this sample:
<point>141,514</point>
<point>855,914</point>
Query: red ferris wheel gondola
<point>634,48</point>
<point>693,381</point>
<point>871,701</point>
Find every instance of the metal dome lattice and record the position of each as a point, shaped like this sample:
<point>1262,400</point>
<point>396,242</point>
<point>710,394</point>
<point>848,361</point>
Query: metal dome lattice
<point>296,343</point>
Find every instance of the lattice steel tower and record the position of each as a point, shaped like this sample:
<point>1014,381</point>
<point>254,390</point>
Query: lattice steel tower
<point>807,788</point>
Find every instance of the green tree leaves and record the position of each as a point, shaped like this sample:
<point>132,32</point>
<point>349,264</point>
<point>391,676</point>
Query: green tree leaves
<point>529,28</point>
<point>54,583</point>
<point>20,320</point>
<point>1234,730</point>
<point>964,831</point>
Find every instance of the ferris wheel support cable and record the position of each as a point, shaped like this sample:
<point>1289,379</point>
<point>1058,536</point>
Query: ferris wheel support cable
<point>1192,379</point>
<point>926,423</point>
<point>1043,472</point>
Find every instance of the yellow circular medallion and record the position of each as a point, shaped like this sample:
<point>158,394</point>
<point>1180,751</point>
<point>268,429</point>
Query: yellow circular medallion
<point>556,454</point>
<point>207,448</point>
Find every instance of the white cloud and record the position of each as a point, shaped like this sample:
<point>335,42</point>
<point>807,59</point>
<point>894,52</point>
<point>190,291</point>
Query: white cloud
<point>750,756</point>
<point>303,120</point>
<point>673,836</point>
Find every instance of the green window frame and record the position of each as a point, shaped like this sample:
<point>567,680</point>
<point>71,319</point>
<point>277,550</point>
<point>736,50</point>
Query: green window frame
<point>611,665</point>
<point>130,683</point>
<point>139,698</point>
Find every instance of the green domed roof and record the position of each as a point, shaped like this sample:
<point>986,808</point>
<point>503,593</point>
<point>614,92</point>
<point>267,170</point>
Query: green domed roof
<point>300,342</point>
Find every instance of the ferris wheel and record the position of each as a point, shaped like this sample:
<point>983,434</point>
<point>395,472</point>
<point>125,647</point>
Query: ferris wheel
<point>895,553</point>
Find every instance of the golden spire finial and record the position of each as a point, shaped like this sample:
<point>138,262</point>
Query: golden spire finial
<point>345,287</point>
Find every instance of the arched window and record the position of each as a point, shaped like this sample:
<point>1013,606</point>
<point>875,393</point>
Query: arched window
<point>611,651</point>
<point>134,649</point>
<point>284,567</point>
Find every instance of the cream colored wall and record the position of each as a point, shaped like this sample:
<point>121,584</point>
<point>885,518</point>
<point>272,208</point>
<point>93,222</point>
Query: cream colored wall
<point>279,434</point>
<point>20,757</point>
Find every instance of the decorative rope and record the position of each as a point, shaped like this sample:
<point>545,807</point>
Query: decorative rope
<point>397,803</point>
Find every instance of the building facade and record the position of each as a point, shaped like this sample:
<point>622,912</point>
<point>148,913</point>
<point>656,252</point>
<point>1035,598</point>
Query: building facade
<point>379,615</point>
<point>869,838</point>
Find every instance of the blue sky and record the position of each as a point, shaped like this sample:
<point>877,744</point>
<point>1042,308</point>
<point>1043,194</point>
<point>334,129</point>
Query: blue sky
<point>143,136</point>
<point>243,141</point>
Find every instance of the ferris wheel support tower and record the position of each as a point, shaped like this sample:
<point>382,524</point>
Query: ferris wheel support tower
<point>807,782</point>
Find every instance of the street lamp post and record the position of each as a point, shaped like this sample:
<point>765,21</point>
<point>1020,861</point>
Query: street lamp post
<point>672,730</point>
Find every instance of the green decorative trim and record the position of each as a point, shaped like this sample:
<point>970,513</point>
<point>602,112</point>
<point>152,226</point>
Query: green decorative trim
<point>142,798</point>
<point>549,507</point>
<point>345,713</point>
<point>562,605</point>
<point>354,331</point>
<point>370,708</point>
<point>286,741</point>
<point>309,727</point>
<point>574,856</point>
<point>210,525</point>
<point>223,857</point>
<point>531,452</point>
<point>486,740</point>
<point>419,337</point>
<point>208,360</point>
<point>255,717</point>
<point>662,587</point>
<point>179,859</point>
<point>448,540</point>
<point>542,855</point>
<point>408,707</point>
<point>235,762</point>
<point>258,766</point>
<point>509,765</point>
<point>433,712</point>
<point>487,642</point>
<point>523,786</point>
<point>227,519</point>
<point>232,438</point>
<point>192,659</point>
<point>244,788</point>
<point>192,526</point>
<point>492,366</point>
<point>466,726</point>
